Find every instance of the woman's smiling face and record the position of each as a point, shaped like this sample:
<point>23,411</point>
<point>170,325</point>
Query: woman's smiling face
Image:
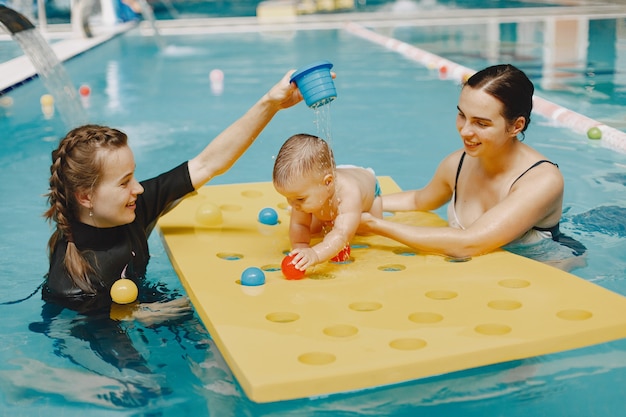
<point>480,121</point>
<point>113,201</point>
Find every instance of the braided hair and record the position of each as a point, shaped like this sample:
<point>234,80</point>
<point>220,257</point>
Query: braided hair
<point>77,166</point>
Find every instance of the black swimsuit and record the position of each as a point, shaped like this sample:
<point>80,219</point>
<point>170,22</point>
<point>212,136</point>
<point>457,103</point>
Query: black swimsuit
<point>577,247</point>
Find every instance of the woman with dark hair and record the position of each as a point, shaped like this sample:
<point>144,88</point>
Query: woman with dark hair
<point>499,190</point>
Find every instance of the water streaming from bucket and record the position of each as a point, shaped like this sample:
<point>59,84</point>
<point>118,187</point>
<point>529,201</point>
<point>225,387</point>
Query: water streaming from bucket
<point>322,123</point>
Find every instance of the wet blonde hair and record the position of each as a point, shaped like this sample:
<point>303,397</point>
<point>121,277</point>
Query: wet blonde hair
<point>77,166</point>
<point>300,156</point>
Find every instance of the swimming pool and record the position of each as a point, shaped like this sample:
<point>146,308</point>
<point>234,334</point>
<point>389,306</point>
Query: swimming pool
<point>391,114</point>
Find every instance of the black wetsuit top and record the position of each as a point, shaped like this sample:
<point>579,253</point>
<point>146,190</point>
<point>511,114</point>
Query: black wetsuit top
<point>110,250</point>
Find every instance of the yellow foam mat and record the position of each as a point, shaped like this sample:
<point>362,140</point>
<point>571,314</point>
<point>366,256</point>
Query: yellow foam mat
<point>389,315</point>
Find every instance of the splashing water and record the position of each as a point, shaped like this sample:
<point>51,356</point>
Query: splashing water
<point>54,76</point>
<point>148,14</point>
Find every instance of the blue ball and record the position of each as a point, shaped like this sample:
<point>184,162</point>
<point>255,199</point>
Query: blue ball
<point>268,216</point>
<point>252,277</point>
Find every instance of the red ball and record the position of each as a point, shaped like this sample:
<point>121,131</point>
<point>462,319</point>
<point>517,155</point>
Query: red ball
<point>343,255</point>
<point>84,90</point>
<point>289,269</point>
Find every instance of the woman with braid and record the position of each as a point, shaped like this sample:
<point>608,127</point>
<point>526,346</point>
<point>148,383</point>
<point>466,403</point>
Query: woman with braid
<point>103,216</point>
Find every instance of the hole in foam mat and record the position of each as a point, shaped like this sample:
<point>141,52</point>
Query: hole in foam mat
<point>452,259</point>
<point>320,276</point>
<point>230,207</point>
<point>441,295</point>
<point>408,344</point>
<point>341,330</point>
<point>347,261</point>
<point>251,193</point>
<point>282,317</point>
<point>425,317</point>
<point>271,267</point>
<point>504,304</point>
<point>392,268</point>
<point>365,306</point>
<point>317,358</point>
<point>574,315</point>
<point>404,252</point>
<point>492,329</point>
<point>229,256</point>
<point>514,283</point>
<point>359,245</point>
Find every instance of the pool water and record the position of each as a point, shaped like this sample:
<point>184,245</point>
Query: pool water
<point>590,70</point>
<point>391,114</point>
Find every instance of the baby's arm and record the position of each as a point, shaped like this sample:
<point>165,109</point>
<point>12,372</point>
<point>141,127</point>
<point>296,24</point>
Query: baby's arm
<point>300,229</point>
<point>344,228</point>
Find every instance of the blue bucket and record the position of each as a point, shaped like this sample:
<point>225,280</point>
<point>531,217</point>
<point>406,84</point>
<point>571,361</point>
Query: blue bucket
<point>316,83</point>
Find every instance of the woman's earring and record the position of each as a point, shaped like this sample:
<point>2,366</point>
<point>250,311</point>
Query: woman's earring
<point>90,213</point>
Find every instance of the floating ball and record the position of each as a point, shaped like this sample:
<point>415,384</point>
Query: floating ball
<point>6,101</point>
<point>84,90</point>
<point>124,291</point>
<point>343,255</point>
<point>443,72</point>
<point>268,216</point>
<point>208,214</point>
<point>289,270</point>
<point>46,100</point>
<point>216,76</point>
<point>594,133</point>
<point>47,105</point>
<point>252,277</point>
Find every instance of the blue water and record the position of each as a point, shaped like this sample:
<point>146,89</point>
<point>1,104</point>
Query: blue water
<point>592,83</point>
<point>391,114</point>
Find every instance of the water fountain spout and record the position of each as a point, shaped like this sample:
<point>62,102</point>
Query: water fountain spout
<point>13,21</point>
<point>47,65</point>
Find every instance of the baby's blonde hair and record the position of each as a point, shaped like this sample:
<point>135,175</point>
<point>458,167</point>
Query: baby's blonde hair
<point>302,155</point>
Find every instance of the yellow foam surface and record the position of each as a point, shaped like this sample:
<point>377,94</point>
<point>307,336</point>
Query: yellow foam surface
<point>386,316</point>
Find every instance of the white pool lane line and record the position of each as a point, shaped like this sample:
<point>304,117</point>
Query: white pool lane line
<point>611,138</point>
<point>18,70</point>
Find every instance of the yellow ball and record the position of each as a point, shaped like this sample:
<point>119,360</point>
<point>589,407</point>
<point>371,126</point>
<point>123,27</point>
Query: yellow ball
<point>124,291</point>
<point>46,100</point>
<point>6,101</point>
<point>209,214</point>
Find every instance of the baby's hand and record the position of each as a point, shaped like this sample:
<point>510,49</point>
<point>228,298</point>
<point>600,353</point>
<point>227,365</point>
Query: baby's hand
<point>304,258</point>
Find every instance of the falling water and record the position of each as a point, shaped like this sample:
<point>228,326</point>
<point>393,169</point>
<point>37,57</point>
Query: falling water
<point>148,14</point>
<point>54,77</point>
<point>322,121</point>
<point>47,65</point>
